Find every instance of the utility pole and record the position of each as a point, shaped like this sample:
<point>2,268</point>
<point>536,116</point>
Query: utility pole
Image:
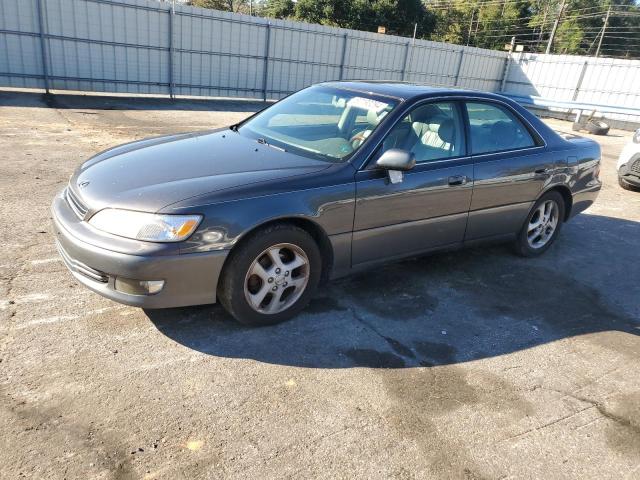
<point>544,22</point>
<point>473,12</point>
<point>507,64</point>
<point>555,26</point>
<point>604,30</point>
<point>409,57</point>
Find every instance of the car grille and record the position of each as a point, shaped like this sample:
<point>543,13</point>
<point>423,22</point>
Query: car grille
<point>75,203</point>
<point>81,268</point>
<point>635,168</point>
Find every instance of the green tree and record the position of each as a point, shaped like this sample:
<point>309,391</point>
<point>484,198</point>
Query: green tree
<point>481,23</point>
<point>277,9</point>
<point>582,25</point>
<point>398,16</point>
<point>225,5</point>
<point>325,12</point>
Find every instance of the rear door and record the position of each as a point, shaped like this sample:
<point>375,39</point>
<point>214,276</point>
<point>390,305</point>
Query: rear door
<point>511,166</point>
<point>429,208</point>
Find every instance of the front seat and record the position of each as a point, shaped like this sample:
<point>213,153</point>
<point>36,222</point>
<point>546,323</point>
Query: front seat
<point>434,136</point>
<point>420,120</point>
<point>447,135</point>
<point>431,136</point>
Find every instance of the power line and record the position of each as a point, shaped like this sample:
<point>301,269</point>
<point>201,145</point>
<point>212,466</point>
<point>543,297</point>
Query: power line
<point>488,3</point>
<point>570,27</point>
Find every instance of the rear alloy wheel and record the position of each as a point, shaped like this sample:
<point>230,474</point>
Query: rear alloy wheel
<point>542,225</point>
<point>271,276</point>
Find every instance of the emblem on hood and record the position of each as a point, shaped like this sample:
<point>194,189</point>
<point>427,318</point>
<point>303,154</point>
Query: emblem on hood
<point>83,184</point>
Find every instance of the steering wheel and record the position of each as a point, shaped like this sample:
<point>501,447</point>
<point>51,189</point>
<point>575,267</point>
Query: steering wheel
<point>359,137</point>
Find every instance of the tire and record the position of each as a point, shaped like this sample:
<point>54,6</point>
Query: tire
<point>523,245</point>
<point>238,285</point>
<point>627,186</point>
<point>597,127</point>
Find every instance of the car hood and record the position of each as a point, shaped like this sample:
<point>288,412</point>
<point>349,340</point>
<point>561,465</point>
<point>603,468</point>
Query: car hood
<point>150,174</point>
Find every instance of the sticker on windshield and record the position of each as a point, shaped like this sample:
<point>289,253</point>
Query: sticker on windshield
<point>367,104</point>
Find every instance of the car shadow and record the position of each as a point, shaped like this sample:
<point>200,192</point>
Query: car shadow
<point>446,308</point>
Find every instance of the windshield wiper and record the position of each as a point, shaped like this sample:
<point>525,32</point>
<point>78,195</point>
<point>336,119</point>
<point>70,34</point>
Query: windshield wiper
<point>263,141</point>
<point>234,128</point>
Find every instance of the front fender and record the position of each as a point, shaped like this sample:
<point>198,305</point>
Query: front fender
<point>331,208</point>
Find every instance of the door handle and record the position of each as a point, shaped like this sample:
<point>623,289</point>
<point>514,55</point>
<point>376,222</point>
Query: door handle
<point>458,180</point>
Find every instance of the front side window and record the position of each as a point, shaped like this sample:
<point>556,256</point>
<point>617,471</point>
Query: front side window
<point>431,132</point>
<point>320,122</point>
<point>495,129</point>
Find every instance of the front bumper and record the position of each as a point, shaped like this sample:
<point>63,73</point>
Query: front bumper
<point>190,279</point>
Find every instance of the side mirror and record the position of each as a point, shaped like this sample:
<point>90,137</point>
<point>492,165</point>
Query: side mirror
<point>396,161</point>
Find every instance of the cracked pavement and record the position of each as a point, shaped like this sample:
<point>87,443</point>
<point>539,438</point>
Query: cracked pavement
<point>474,364</point>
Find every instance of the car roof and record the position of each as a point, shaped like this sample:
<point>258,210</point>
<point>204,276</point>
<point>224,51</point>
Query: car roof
<point>405,90</point>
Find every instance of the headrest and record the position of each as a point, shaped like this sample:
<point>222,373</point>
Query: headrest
<point>502,131</point>
<point>435,122</point>
<point>447,132</point>
<point>426,114</point>
<point>373,118</point>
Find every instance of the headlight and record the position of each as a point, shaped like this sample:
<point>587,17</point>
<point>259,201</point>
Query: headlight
<point>150,227</point>
<point>636,136</point>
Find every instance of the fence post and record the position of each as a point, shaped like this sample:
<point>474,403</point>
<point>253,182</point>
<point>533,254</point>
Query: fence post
<point>344,55</point>
<point>455,83</point>
<point>505,73</point>
<point>43,46</point>
<point>507,64</point>
<point>266,62</point>
<point>580,79</point>
<point>172,15</point>
<point>406,57</point>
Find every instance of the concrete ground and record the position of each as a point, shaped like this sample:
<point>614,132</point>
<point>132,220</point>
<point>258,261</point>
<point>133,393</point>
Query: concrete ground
<point>472,365</point>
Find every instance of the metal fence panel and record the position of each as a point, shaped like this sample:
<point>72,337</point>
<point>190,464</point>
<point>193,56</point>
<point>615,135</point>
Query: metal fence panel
<point>216,54</point>
<point>482,69</point>
<point>143,46</point>
<point>603,81</point>
<point>20,45</point>
<point>107,47</point>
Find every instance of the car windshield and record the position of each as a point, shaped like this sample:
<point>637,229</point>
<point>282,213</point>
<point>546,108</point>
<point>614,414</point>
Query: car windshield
<point>319,122</point>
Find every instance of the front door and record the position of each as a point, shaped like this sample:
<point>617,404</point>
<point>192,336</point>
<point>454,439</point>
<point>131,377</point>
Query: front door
<point>429,207</point>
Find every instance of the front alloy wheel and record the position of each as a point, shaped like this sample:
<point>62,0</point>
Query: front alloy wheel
<point>277,278</point>
<point>271,275</point>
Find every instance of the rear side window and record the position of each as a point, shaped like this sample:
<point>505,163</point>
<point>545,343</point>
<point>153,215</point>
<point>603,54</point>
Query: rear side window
<point>495,129</point>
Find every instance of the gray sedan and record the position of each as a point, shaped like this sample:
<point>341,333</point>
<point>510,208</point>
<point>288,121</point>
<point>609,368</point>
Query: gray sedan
<point>332,179</point>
